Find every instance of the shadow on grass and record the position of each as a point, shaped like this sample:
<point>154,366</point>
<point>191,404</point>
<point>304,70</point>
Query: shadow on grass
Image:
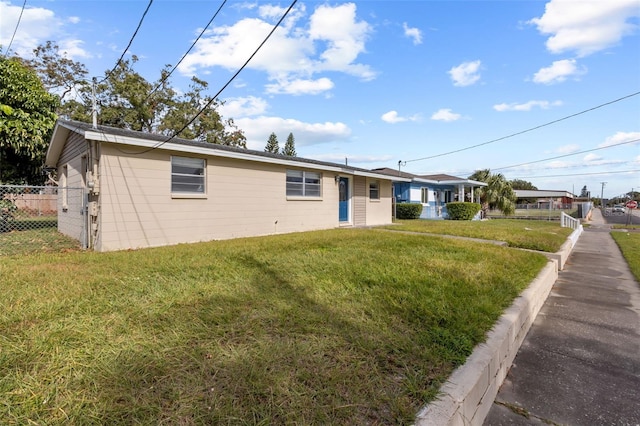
<point>275,355</point>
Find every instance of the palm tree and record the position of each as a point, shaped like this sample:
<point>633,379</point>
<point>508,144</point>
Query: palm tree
<point>498,194</point>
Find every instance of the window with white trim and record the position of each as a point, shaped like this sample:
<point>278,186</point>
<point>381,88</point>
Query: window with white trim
<point>424,195</point>
<point>301,183</point>
<point>374,190</point>
<point>64,176</point>
<point>187,175</point>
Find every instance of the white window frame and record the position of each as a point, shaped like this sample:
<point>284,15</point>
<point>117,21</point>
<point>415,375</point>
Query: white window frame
<point>303,184</point>
<point>64,183</point>
<point>374,190</point>
<point>197,180</point>
<point>424,195</point>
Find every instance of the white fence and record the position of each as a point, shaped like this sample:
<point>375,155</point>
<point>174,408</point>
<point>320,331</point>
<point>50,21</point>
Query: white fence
<point>567,221</point>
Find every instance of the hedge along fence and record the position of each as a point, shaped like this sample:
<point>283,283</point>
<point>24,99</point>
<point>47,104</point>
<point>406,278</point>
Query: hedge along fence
<point>408,210</point>
<point>462,211</point>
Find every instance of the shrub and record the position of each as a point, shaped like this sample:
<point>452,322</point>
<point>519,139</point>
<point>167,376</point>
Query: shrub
<point>408,210</point>
<point>462,211</point>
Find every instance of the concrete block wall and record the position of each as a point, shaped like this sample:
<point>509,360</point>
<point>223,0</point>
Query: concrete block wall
<point>466,398</point>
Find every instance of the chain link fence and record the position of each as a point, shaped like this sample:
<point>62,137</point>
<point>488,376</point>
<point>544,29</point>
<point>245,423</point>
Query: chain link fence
<point>31,213</point>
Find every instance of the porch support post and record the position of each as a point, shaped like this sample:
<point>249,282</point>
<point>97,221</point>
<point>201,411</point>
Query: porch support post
<point>471,198</point>
<point>461,192</point>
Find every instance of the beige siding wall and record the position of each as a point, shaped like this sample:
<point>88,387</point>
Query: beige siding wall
<point>360,198</point>
<point>379,211</point>
<point>243,198</point>
<point>71,188</point>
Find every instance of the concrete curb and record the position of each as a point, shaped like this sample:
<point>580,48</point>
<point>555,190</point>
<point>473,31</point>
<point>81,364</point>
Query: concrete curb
<point>562,255</point>
<point>467,396</point>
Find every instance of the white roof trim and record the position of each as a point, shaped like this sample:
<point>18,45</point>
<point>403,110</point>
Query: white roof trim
<point>101,136</point>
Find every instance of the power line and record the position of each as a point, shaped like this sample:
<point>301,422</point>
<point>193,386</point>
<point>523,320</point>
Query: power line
<point>186,53</point>
<point>208,104</point>
<point>130,42</point>
<point>524,131</point>
<point>580,174</point>
<point>16,28</point>
<point>567,155</point>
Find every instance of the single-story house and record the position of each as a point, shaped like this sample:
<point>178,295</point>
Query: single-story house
<point>433,191</point>
<point>144,190</point>
<point>545,198</point>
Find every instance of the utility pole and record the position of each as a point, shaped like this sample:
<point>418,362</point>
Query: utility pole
<point>602,195</point>
<point>94,106</point>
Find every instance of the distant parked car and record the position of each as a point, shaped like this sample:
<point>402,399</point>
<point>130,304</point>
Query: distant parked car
<point>619,208</point>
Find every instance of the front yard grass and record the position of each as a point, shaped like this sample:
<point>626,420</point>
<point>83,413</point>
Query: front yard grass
<point>527,234</point>
<point>46,239</point>
<point>629,243</point>
<point>332,327</point>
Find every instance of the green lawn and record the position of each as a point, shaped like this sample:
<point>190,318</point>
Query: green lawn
<point>629,243</point>
<point>334,327</point>
<point>528,234</point>
<point>46,239</point>
<point>535,213</point>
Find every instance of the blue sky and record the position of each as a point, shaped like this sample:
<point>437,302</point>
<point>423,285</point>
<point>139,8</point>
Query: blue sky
<point>383,82</point>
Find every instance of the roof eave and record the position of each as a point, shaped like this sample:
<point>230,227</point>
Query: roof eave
<point>248,156</point>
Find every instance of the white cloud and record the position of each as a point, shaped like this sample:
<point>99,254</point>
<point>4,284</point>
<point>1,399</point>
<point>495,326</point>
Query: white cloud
<point>558,72</point>
<point>445,114</point>
<point>636,160</point>
<point>330,41</point>
<point>243,107</point>
<point>568,149</point>
<point>586,26</point>
<point>393,117</point>
<point>527,106</point>
<point>72,49</point>
<point>621,137</point>
<point>73,19</point>
<point>258,129</point>
<point>591,157</point>
<point>300,87</point>
<point>557,164</point>
<point>36,25</point>
<point>465,74</point>
<point>413,33</point>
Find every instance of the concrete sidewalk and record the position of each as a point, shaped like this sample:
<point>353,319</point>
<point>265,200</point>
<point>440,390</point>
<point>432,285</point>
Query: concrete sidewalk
<point>580,362</point>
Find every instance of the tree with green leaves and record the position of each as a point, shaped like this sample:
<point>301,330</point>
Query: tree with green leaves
<point>290,146</point>
<point>523,184</point>
<point>195,116</point>
<point>272,144</point>
<point>27,118</point>
<point>58,73</point>
<point>498,194</point>
<point>125,99</point>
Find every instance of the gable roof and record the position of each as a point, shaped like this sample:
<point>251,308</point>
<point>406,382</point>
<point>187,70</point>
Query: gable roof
<point>151,141</point>
<point>441,179</point>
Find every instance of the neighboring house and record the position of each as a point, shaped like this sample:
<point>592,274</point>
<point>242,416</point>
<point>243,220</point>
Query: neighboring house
<point>545,198</point>
<point>142,190</point>
<point>433,191</point>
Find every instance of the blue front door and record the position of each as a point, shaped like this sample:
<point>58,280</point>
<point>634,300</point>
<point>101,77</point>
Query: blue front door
<point>343,188</point>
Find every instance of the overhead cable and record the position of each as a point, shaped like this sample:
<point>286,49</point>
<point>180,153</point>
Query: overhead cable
<point>568,155</point>
<point>213,99</point>
<point>579,174</point>
<point>130,42</point>
<point>15,29</point>
<point>524,131</point>
<point>164,78</point>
